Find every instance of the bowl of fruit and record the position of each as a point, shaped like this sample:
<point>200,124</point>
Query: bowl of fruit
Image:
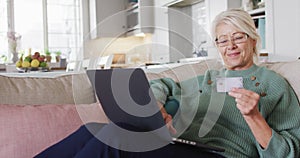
<point>34,62</point>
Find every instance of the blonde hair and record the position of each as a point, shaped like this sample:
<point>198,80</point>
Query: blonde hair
<point>241,20</point>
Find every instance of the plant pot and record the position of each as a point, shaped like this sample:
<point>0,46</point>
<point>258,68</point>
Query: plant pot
<point>57,58</point>
<point>48,58</point>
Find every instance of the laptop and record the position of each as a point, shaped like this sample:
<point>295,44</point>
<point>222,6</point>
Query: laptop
<point>126,97</point>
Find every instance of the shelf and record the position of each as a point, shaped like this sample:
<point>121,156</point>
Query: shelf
<point>132,7</point>
<point>259,11</point>
<point>258,16</point>
<point>139,17</point>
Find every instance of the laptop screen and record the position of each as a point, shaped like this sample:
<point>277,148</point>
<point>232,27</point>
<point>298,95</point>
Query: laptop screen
<point>126,97</point>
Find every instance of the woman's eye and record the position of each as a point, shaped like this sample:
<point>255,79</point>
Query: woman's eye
<point>223,41</point>
<point>238,37</point>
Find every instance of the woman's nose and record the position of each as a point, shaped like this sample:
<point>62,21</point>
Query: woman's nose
<point>231,45</point>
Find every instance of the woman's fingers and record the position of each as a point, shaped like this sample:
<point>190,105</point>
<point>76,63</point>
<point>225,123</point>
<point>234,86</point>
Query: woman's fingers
<point>246,100</point>
<point>168,119</point>
<point>169,124</point>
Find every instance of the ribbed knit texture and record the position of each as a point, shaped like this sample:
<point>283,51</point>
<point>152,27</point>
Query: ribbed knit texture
<point>217,114</point>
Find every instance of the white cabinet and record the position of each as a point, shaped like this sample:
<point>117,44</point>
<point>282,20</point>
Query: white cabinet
<point>107,18</point>
<point>172,38</point>
<point>140,17</point>
<point>160,38</point>
<point>190,26</point>
<point>280,30</point>
<point>181,33</point>
<point>283,29</point>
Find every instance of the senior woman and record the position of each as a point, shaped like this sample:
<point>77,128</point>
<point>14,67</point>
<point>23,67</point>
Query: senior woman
<point>258,119</point>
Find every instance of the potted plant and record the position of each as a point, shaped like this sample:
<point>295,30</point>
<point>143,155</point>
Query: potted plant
<point>48,55</point>
<point>3,59</point>
<point>57,57</point>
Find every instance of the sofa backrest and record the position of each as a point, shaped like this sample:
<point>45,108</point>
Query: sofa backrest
<point>67,88</point>
<point>75,88</point>
<point>187,70</point>
<point>289,70</point>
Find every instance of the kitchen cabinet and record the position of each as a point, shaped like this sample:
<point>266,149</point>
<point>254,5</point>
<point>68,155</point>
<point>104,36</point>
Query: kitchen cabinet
<point>188,29</point>
<point>281,29</point>
<point>107,18</point>
<point>160,38</point>
<point>140,17</point>
<point>172,38</point>
<point>191,33</point>
<point>181,33</point>
<point>173,35</point>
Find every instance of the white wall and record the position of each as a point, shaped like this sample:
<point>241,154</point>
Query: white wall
<point>286,25</point>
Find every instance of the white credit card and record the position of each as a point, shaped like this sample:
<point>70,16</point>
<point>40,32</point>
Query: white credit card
<point>225,84</point>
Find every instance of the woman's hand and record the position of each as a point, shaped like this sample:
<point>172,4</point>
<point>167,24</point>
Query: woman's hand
<point>168,118</point>
<point>246,101</point>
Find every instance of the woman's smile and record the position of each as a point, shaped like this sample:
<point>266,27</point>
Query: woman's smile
<point>233,54</point>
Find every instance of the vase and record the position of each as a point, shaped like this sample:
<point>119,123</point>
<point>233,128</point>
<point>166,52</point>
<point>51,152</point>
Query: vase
<point>15,57</point>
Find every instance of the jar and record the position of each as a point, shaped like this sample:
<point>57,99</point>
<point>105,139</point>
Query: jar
<point>263,57</point>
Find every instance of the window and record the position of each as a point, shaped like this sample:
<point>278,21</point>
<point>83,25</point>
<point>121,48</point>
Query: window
<point>3,30</point>
<point>43,24</point>
<point>199,15</point>
<point>28,21</point>
<point>64,26</point>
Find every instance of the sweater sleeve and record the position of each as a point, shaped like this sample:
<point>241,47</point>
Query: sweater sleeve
<point>284,121</point>
<point>164,88</point>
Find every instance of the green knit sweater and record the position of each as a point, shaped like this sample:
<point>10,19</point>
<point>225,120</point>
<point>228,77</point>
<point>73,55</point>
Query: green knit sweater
<point>213,118</point>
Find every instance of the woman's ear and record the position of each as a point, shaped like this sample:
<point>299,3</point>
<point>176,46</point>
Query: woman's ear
<point>254,42</point>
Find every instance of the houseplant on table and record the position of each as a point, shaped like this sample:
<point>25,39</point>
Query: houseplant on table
<point>57,57</point>
<point>48,55</point>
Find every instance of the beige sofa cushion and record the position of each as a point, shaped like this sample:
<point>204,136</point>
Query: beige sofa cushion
<point>289,70</point>
<point>187,70</point>
<point>63,89</point>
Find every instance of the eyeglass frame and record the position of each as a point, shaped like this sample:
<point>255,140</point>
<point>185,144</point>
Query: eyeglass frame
<point>245,35</point>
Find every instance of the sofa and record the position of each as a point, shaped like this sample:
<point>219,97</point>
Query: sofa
<point>38,110</point>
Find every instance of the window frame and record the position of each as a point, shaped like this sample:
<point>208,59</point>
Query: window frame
<point>79,33</point>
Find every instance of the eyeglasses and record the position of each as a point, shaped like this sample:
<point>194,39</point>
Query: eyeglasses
<point>236,38</point>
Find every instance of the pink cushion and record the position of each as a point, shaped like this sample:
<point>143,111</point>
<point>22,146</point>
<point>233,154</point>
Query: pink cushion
<point>27,130</point>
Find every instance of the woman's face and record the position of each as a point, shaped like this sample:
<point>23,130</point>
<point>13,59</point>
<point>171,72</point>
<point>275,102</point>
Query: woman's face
<point>237,50</point>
